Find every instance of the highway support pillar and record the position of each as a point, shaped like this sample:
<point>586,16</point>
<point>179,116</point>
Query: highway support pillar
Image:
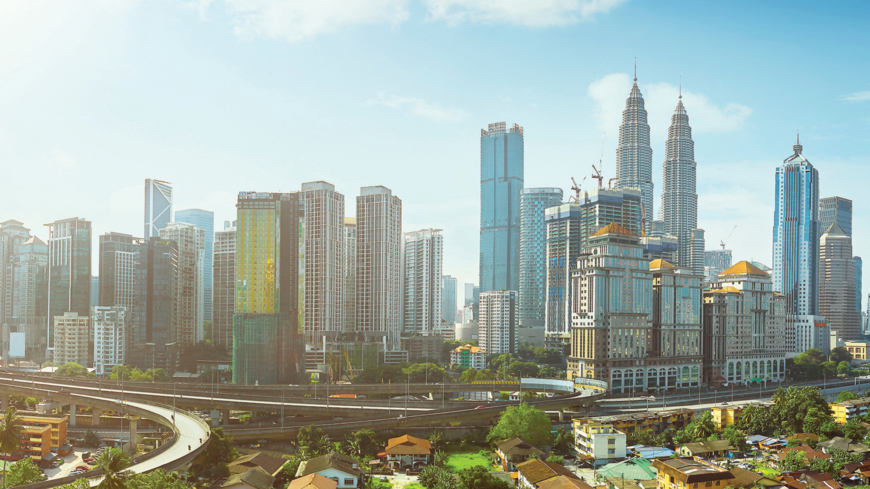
<point>96,417</point>
<point>72,414</point>
<point>561,415</point>
<point>134,421</point>
<point>225,417</point>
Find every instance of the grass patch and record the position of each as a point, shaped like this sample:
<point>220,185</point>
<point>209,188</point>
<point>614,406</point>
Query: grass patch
<point>467,457</point>
<point>414,485</point>
<point>766,471</point>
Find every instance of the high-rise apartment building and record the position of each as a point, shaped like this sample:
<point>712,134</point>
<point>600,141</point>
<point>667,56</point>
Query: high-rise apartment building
<point>448,299</point>
<point>117,270</point>
<point>501,183</point>
<point>796,234</point>
<point>203,220</point>
<point>634,153</point>
<point>533,253</point>
<point>569,227</point>
<point>190,314</point>
<point>29,304</point>
<point>158,206</point>
<point>268,347</point>
<point>154,336</point>
<point>424,282</point>
<point>324,261</point>
<point>12,235</point>
<point>110,337</point>
<point>379,265</point>
<point>224,285</point>
<point>69,269</point>
<point>859,271</point>
<point>837,284</point>
<point>679,191</point>
<point>497,329</point>
<point>72,339</point>
<point>349,274</point>
<point>744,327</point>
<point>835,210</point>
<point>716,262</point>
<point>696,252</point>
<point>471,305</point>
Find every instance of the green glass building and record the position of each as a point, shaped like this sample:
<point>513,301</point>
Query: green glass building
<point>69,270</point>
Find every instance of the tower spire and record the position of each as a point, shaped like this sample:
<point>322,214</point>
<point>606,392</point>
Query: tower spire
<point>635,68</point>
<point>798,149</point>
<point>681,87</point>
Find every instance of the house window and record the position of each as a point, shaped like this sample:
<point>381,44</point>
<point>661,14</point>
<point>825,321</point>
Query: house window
<point>348,482</point>
<point>611,451</point>
<point>611,441</point>
<point>695,485</point>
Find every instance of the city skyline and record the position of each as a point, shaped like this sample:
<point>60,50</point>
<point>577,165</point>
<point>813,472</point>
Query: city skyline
<point>754,121</point>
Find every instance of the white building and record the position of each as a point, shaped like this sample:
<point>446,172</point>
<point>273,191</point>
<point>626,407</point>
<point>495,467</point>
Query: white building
<point>424,258</point>
<point>71,339</point>
<point>601,441</point>
<point>224,285</point>
<point>190,304</point>
<point>349,273</point>
<point>498,321</point>
<point>343,470</point>
<point>468,356</point>
<point>110,337</point>
<point>805,332</point>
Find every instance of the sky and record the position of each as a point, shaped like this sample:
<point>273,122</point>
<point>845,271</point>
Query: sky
<point>222,96</point>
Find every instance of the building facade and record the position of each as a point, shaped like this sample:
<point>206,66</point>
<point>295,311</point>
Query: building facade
<point>448,300</point>
<point>204,220</point>
<point>634,153</point>
<point>498,322</point>
<point>533,253</point>
<point>13,234</point>
<point>501,183</point>
<point>158,206</point>
<point>117,265</point>
<point>716,262</point>
<point>72,339</point>
<point>69,269</point>
<point>859,272</point>
<point>805,332</point>
<point>29,291</point>
<point>468,356</point>
<point>154,338</point>
<point>111,333</point>
<point>424,282</point>
<point>679,190</point>
<point>835,210</point>
<point>599,442</point>
<point>190,305</point>
<point>837,284</point>
<point>224,285</point>
<point>349,274</point>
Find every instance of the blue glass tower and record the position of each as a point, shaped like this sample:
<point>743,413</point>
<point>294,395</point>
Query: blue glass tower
<point>501,183</point>
<point>533,253</point>
<point>796,232</point>
<point>205,221</point>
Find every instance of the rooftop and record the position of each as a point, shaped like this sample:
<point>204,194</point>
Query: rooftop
<point>536,471</point>
<point>614,228</point>
<point>694,470</point>
<point>517,446</point>
<point>744,268</point>
<point>256,477</point>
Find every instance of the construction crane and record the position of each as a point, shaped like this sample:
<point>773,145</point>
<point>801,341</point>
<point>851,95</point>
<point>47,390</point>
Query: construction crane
<point>597,176</point>
<point>722,243</point>
<point>576,189</point>
<point>610,182</point>
<point>349,366</point>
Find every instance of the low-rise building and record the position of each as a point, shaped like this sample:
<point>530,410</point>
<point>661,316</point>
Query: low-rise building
<point>858,349</point>
<point>515,451</point>
<point>312,481</point>
<point>658,421</point>
<point>533,472</point>
<point>563,482</point>
<point>35,443</point>
<point>844,411</point>
<point>731,413</point>
<point>272,465</point>
<point>57,423</point>
<point>690,473</point>
<point>345,471</point>
<point>256,478</point>
<point>598,442</point>
<point>468,356</point>
<point>408,452</point>
<point>706,449</point>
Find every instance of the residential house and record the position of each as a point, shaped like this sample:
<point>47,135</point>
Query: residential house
<point>706,449</point>
<point>312,481</point>
<point>844,444</point>
<point>345,471</point>
<point>842,412</point>
<point>634,469</point>
<point>803,437</point>
<point>272,465</point>
<point>690,473</point>
<point>563,482</point>
<point>856,474</point>
<point>598,442</point>
<point>515,451</point>
<point>58,424</point>
<point>746,479</point>
<point>408,451</point>
<point>657,421</point>
<point>256,478</point>
<point>816,480</point>
<point>809,453</point>
<point>731,413</point>
<point>468,356</point>
<point>773,444</point>
<point>535,471</point>
<point>652,453</point>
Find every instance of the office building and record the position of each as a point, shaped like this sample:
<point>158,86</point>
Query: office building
<point>203,220</point>
<point>448,300</point>
<point>679,190</point>
<point>12,235</point>
<point>117,266</point>
<point>662,247</point>
<point>29,302</point>
<point>110,337</point>
<point>69,269</point>
<point>837,284</point>
<point>835,210</point>
<point>379,266</point>
<point>424,282</point>
<point>95,291</point>
<point>72,339</point>
<point>224,285</point>
<point>349,274</point>
<point>497,329</point>
<point>744,328</point>
<point>190,313</point>
<point>859,272</point>
<point>796,234</point>
<point>154,333</point>
<point>501,183</point>
<point>158,206</point>
<point>805,332</point>
<point>324,261</point>
<point>716,262</point>
<point>696,256</point>
<point>569,227</point>
<point>472,302</point>
<point>268,346</point>
<point>533,253</point>
<point>634,153</point>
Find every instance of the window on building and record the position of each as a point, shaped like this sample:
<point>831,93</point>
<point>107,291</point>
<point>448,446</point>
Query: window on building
<point>348,482</point>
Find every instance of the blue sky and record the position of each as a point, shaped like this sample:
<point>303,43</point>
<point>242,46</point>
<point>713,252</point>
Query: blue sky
<point>226,95</point>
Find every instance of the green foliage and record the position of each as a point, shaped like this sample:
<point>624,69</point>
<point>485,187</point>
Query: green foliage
<point>435,477</point>
<point>524,421</point>
<point>735,437</point>
<point>203,350</point>
<point>213,462</point>
<point>846,396</point>
<point>854,429</point>
<point>113,462</point>
<point>480,478</point>
<point>794,410</point>
<point>10,431</point>
<point>564,441</point>
<point>683,436</point>
<point>287,473</point>
<point>22,472</point>
<point>703,426</point>
<point>157,479</point>
<point>642,437</point>
<point>471,375</point>
<point>841,354</point>
<point>91,439</point>
<point>126,372</point>
<point>794,442</point>
<point>436,439</point>
<point>313,442</point>
<point>794,460</point>
<point>423,372</point>
<point>664,439</point>
<point>556,459</point>
<point>71,369</point>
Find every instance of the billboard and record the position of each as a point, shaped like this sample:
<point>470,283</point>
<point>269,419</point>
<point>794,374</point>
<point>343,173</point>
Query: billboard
<point>16,345</point>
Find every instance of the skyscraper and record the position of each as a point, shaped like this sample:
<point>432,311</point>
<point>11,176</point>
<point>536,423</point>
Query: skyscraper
<point>224,285</point>
<point>158,206</point>
<point>796,234</point>
<point>30,295</point>
<point>191,279</point>
<point>859,271</point>
<point>117,270</point>
<point>12,235</point>
<point>324,261</point>
<point>679,194</point>
<point>533,253</point>
<point>349,274</point>
<point>110,337</point>
<point>836,209</point>
<point>203,220</point>
<point>837,284</point>
<point>268,347</point>
<point>696,252</point>
<point>448,300</point>
<point>501,182</point>
<point>378,264</point>
<point>716,261</point>
<point>634,153</point>
<point>69,269</point>
<point>72,339</point>
<point>154,338</point>
<point>424,282</point>
<point>497,330</point>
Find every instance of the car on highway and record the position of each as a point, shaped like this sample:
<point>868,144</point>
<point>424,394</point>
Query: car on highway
<point>480,407</point>
<point>384,478</point>
<point>64,391</point>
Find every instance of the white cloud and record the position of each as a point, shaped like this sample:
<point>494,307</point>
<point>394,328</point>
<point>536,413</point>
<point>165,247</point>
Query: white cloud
<point>299,20</point>
<point>537,13</point>
<point>857,97</point>
<point>420,107</point>
<point>660,99</point>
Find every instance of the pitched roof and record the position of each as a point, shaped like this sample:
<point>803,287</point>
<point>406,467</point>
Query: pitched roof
<point>408,445</point>
<point>834,230</point>
<point>536,470</point>
<point>563,482</point>
<point>470,348</point>
<point>726,290</point>
<point>634,469</point>
<point>269,463</point>
<point>804,436</point>
<point>748,479</point>
<point>313,481</point>
<point>694,470</point>
<point>660,264</point>
<point>744,268</point>
<point>809,453</point>
<point>709,446</point>
<point>516,446</point>
<point>256,478</point>
<point>328,461</point>
<point>844,444</point>
<point>613,228</point>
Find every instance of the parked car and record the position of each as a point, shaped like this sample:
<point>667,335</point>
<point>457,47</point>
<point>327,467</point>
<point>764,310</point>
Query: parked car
<point>480,407</point>
<point>86,455</point>
<point>83,468</point>
<point>383,478</point>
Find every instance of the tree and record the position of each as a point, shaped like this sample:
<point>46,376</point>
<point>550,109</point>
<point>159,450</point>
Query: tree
<point>564,441</point>
<point>846,396</point>
<point>756,420</point>
<point>556,459</point>
<point>854,430</point>
<point>683,436</point>
<point>10,433</point>
<point>436,477</point>
<point>840,354</point>
<point>91,439</point>
<point>478,477</point>
<point>423,372</point>
<point>642,437</point>
<point>288,472</point>
<point>703,426</point>
<point>814,420</point>
<point>794,460</point>
<point>435,439</point>
<point>843,368</point>
<point>307,440</point>
<point>71,369</point>
<point>735,438</point>
<point>523,421</point>
<point>113,462</point>
<point>23,472</point>
<point>157,479</point>
<point>213,462</point>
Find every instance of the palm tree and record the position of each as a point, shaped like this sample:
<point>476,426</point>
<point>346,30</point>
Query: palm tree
<point>10,434</point>
<point>704,426</point>
<point>113,461</point>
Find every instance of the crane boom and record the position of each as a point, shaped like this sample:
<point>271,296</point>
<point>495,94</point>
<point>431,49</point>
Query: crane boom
<point>722,243</point>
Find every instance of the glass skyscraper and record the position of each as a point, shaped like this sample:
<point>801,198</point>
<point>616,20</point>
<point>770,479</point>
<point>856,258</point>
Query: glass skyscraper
<point>203,220</point>
<point>501,182</point>
<point>836,209</point>
<point>158,206</point>
<point>154,332</point>
<point>634,153</point>
<point>533,253</point>
<point>69,270</point>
